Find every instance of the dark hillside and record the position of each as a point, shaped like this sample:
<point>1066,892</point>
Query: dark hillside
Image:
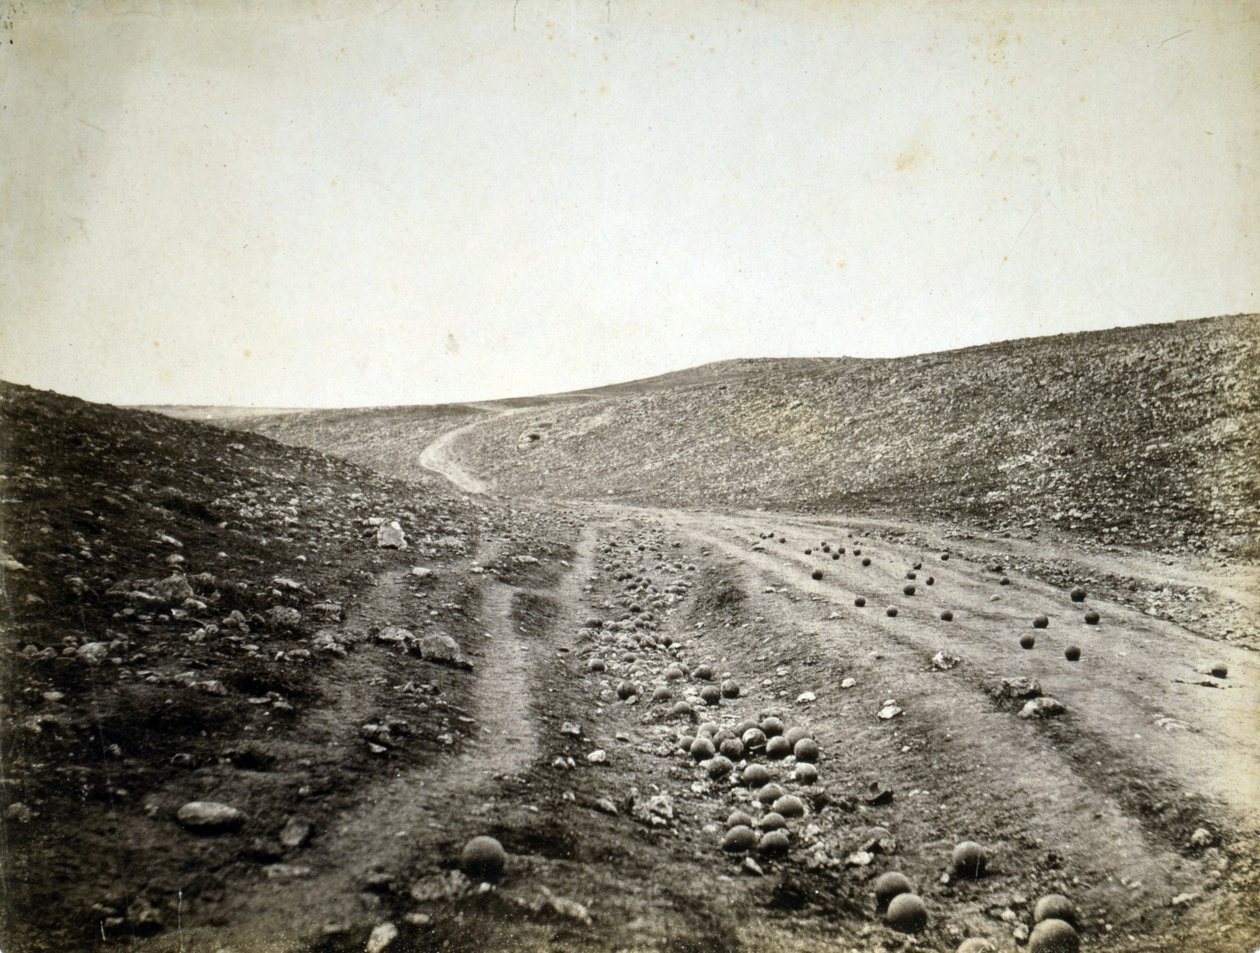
<point>173,605</point>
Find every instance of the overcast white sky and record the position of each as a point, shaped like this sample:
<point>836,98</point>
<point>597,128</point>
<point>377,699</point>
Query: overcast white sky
<point>361,203</point>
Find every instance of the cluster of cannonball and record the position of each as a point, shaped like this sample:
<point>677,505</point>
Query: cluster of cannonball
<point>729,753</point>
<point>1054,929</point>
<point>1073,652</point>
<point>902,908</point>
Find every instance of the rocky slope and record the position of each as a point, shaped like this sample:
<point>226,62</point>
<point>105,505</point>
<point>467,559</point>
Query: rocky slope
<point>194,615</point>
<point>1146,436</point>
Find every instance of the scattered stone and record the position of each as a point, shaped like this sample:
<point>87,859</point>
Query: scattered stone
<point>1044,707</point>
<point>296,833</point>
<point>383,934</point>
<point>1202,838</point>
<point>441,649</point>
<point>890,711</point>
<point>943,661</point>
<point>210,817</point>
<point>391,536</point>
<point>598,756</point>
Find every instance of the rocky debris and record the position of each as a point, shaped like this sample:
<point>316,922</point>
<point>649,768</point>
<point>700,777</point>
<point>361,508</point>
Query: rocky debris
<point>383,934</point>
<point>942,661</point>
<point>1018,688</point>
<point>296,833</point>
<point>440,649</point>
<point>284,617</point>
<point>1043,707</point>
<point>210,817</point>
<point>391,536</point>
<point>172,590</point>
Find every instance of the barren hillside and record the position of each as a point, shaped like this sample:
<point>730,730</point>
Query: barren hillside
<point>1146,435</point>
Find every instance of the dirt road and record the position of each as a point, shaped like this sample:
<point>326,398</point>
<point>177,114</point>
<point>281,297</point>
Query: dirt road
<point>1141,799</point>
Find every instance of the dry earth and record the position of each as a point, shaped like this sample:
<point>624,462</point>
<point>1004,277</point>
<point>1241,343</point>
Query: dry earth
<point>593,639</point>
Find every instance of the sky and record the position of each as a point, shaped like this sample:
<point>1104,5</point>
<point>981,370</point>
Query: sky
<point>336,204</point>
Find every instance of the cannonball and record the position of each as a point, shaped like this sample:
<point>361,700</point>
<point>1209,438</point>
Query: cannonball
<point>912,575</point>
<point>908,589</point>
<point>859,601</point>
<point>976,944</point>
<point>772,821</point>
<point>839,550</point>
<point>732,748</point>
<point>1040,622</point>
<point>1220,670</point>
<point>739,839</point>
<point>806,750</point>
<point>930,580</point>
<point>703,672</point>
<point>866,560</point>
<point>1091,617</point>
<point>730,688</point>
<point>857,552</point>
<point>1077,594</point>
<point>1027,641</point>
<point>816,574</point>
<point>707,728</point>
<point>738,819</point>
<point>1055,906</point>
<point>627,689</point>
<point>890,885</point>
<point>809,552</point>
<point>719,767</point>
<point>907,913</point>
<point>744,726</point>
<point>701,749</point>
<point>1054,936</point>
<point>891,611</point>
<point>969,860</point>
<point>772,725</point>
<point>483,858</point>
<point>661,694</point>
<point>596,665</point>
<point>795,734</point>
<point>789,805</point>
<point>947,616</point>
<point>769,793</point>
<point>673,673</point>
<point>835,555</point>
<point>774,844</point>
<point>681,710</point>
<point>756,776</point>
<point>1072,653</point>
<point>711,695</point>
<point>806,774</point>
<point>778,747</point>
